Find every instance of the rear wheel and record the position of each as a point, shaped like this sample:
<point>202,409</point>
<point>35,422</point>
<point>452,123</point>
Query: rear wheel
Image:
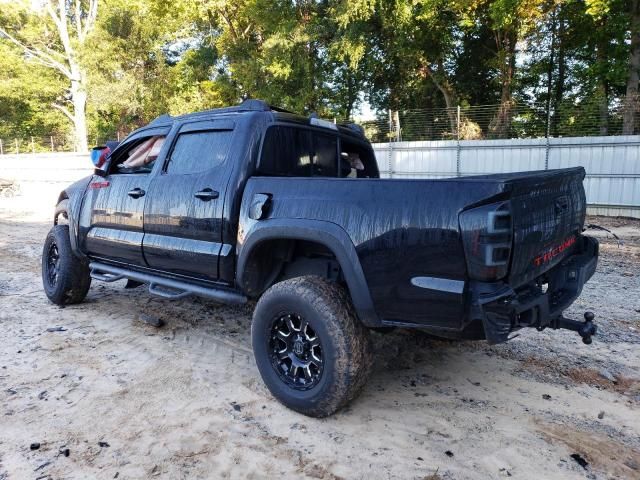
<point>65,277</point>
<point>312,352</point>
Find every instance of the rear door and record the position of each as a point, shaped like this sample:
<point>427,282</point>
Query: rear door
<point>111,224</point>
<point>184,210</point>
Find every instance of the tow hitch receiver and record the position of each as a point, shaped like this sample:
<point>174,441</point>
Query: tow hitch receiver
<point>585,329</point>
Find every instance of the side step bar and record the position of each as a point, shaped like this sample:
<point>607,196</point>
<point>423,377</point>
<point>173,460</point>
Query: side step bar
<point>164,287</point>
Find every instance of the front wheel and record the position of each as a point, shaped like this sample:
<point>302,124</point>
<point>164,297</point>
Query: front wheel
<point>312,352</point>
<point>65,277</point>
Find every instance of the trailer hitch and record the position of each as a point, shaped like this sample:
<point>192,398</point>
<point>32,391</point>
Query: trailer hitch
<point>585,329</point>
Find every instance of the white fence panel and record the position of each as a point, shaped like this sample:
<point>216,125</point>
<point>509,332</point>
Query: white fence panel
<point>613,169</point>
<point>499,156</point>
<point>44,176</point>
<point>612,164</point>
<point>417,159</point>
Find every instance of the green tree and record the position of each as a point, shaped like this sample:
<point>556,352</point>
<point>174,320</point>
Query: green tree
<point>52,35</point>
<point>26,94</point>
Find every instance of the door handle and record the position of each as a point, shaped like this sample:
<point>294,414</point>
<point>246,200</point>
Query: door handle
<point>207,194</point>
<point>136,193</point>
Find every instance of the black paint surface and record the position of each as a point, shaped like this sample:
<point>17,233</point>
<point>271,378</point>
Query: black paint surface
<point>389,231</point>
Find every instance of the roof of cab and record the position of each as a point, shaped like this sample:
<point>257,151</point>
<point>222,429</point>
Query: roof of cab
<point>254,105</point>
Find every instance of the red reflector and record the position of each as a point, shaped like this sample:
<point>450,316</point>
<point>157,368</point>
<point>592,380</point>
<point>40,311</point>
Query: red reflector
<point>99,184</point>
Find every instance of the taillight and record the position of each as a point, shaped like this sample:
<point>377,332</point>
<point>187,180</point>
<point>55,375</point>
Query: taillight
<point>487,235</point>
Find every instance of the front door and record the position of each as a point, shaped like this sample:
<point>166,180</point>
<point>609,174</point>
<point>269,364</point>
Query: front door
<point>112,213</point>
<point>184,208</point>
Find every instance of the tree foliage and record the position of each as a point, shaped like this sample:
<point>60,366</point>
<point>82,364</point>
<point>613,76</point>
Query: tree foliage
<point>142,58</point>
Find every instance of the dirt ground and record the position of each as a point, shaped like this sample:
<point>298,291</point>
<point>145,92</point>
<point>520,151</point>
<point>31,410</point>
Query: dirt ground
<point>109,396</point>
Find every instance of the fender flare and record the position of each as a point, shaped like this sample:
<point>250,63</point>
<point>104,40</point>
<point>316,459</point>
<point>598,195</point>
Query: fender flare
<point>326,233</point>
<point>61,208</point>
<point>64,206</point>
<point>70,201</point>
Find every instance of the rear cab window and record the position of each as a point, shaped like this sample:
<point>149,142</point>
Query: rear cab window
<point>298,152</point>
<point>357,160</point>
<point>294,151</point>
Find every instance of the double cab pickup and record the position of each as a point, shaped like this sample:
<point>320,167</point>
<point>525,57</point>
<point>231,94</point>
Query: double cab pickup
<point>253,203</point>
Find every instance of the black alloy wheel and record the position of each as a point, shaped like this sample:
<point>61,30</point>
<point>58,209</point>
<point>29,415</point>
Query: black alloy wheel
<point>296,351</point>
<point>313,353</point>
<point>52,264</point>
<point>65,277</point>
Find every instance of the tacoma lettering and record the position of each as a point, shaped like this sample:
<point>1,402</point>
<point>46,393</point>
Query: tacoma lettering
<point>554,252</point>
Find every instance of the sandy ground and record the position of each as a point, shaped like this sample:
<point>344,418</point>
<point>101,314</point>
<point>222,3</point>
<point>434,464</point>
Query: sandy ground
<point>185,401</point>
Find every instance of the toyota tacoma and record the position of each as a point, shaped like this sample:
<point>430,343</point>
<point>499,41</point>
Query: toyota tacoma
<point>253,202</point>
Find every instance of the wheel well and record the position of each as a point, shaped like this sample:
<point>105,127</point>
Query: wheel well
<point>275,260</point>
<point>61,209</point>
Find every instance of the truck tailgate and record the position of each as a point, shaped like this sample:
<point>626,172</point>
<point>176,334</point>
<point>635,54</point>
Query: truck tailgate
<point>548,211</point>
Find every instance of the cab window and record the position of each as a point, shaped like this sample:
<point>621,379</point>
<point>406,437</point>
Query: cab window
<point>140,156</point>
<point>298,152</point>
<point>198,151</point>
<point>356,160</point>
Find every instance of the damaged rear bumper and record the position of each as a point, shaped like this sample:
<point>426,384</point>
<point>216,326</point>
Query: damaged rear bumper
<point>503,310</point>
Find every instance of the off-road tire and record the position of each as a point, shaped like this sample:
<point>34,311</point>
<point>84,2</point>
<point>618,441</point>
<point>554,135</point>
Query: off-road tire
<point>72,279</point>
<point>346,346</point>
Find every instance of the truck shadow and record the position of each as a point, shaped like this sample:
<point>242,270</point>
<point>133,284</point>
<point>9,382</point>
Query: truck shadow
<point>210,333</point>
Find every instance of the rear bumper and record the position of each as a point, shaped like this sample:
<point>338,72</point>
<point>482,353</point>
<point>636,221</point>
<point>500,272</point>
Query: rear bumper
<point>503,310</point>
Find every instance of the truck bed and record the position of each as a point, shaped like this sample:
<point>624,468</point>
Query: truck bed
<point>406,229</point>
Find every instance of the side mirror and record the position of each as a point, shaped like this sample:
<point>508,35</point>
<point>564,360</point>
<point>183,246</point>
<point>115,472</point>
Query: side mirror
<point>99,157</point>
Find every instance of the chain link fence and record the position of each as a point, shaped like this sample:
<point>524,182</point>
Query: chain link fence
<point>505,121</point>
<point>44,144</point>
<point>50,143</point>
<point>479,122</point>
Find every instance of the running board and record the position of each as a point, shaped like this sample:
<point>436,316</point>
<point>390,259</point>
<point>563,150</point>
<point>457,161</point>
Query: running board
<point>164,287</point>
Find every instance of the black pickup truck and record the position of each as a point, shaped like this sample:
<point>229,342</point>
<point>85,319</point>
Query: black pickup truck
<point>252,202</point>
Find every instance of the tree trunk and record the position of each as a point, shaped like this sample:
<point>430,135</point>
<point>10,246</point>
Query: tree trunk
<point>352,93</point>
<point>602,93</point>
<point>501,122</point>
<point>79,101</point>
<point>452,110</point>
<point>448,92</point>
<point>631,99</point>
<point>312,104</point>
<point>603,108</point>
<point>562,75</point>
<point>550,68</point>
